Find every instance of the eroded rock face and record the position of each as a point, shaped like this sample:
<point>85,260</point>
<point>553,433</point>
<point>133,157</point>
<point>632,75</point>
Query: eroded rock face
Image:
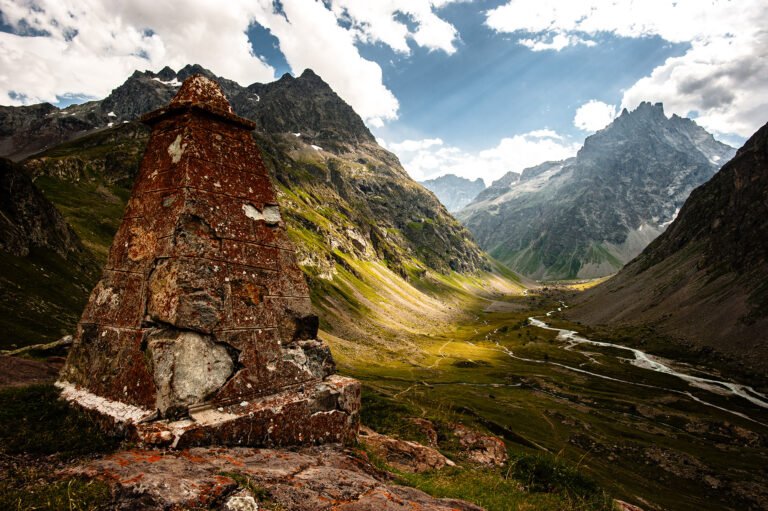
<point>307,479</point>
<point>403,454</point>
<point>186,367</point>
<point>202,305</point>
<point>484,449</point>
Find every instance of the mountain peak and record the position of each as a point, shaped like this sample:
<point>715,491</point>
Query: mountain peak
<point>453,191</point>
<point>647,106</point>
<point>312,79</point>
<point>585,217</point>
<point>166,74</point>
<point>309,74</point>
<point>703,279</point>
<point>194,69</point>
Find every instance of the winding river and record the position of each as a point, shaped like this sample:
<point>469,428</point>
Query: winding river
<point>649,362</point>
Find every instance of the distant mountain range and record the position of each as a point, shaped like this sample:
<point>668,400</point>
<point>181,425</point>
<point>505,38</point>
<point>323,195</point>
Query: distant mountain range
<point>453,191</point>
<point>588,215</point>
<point>305,105</point>
<point>705,279</point>
<point>350,207</point>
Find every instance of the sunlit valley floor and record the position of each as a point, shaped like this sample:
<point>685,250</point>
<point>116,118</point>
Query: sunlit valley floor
<point>645,436</point>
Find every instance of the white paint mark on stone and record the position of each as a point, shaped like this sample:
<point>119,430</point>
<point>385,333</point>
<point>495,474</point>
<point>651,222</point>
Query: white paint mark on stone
<point>252,213</point>
<point>176,149</point>
<point>270,214</point>
<point>120,412</point>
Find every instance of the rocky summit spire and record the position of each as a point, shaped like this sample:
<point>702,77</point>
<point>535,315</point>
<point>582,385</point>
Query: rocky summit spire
<point>201,328</point>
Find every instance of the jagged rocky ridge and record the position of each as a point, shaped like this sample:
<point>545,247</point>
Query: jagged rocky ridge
<point>305,105</point>
<point>588,215</point>
<point>705,280</point>
<point>343,196</point>
<point>453,191</point>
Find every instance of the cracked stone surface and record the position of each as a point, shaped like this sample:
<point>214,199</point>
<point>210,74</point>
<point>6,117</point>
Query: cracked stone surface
<point>403,454</point>
<point>201,303</point>
<point>187,366</point>
<point>485,449</point>
<point>315,478</point>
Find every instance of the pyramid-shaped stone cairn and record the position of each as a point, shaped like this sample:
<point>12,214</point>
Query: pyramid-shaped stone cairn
<point>201,329</point>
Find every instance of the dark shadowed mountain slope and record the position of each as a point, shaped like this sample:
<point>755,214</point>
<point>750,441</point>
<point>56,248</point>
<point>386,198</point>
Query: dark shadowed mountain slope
<point>45,272</point>
<point>589,215</point>
<point>453,191</point>
<point>706,278</point>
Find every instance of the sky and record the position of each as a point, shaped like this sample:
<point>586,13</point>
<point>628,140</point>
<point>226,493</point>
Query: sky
<point>473,88</point>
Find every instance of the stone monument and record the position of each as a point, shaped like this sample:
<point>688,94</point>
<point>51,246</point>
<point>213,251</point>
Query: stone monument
<point>200,330</point>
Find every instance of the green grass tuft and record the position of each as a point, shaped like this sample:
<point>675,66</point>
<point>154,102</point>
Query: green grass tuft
<point>496,490</point>
<point>74,494</point>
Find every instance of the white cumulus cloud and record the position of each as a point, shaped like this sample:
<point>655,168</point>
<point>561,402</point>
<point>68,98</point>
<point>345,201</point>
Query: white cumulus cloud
<point>382,21</point>
<point>721,83</point>
<point>310,37</point>
<point>556,42</point>
<point>719,80</point>
<point>594,115</point>
<point>409,146</point>
<point>88,47</point>
<point>431,158</point>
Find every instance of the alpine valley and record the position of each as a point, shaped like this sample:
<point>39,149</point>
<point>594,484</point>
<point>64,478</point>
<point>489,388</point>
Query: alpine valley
<point>479,383</point>
<point>587,216</point>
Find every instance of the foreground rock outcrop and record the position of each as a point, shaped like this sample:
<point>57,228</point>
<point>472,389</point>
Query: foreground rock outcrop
<point>403,455</point>
<point>201,329</point>
<point>311,479</point>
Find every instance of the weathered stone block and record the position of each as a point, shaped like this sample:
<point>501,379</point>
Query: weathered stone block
<point>235,220</point>
<point>117,300</point>
<point>229,152</point>
<point>186,294</point>
<point>235,183</point>
<point>110,363</point>
<point>257,256</point>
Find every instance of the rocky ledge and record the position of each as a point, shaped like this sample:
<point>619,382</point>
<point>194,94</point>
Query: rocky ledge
<point>310,478</point>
